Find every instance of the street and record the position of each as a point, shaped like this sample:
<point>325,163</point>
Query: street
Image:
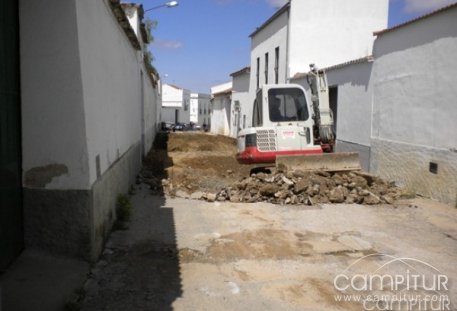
<point>181,254</point>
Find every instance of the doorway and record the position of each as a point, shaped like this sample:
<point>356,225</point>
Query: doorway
<point>11,227</point>
<point>333,99</point>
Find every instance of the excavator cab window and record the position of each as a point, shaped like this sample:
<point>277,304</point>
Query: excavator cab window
<point>287,104</point>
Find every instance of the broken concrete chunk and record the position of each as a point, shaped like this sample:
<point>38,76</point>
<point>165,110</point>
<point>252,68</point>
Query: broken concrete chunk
<point>371,199</point>
<point>287,181</point>
<point>336,195</point>
<point>196,195</point>
<point>211,197</point>
<point>269,189</point>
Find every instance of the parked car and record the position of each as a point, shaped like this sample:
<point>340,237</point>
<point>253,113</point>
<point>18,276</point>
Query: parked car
<point>180,127</point>
<point>194,126</point>
<point>166,126</point>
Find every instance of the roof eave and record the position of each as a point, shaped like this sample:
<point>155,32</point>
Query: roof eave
<point>283,9</point>
<point>414,20</point>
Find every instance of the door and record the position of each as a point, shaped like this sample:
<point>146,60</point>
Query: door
<point>11,235</point>
<point>333,100</point>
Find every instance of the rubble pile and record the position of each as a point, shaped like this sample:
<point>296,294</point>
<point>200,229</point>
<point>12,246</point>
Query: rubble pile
<point>300,187</point>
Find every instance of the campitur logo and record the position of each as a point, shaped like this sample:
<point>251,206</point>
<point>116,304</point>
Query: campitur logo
<point>385,282</point>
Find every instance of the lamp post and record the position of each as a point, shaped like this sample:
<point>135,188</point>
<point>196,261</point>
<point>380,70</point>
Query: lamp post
<point>170,4</point>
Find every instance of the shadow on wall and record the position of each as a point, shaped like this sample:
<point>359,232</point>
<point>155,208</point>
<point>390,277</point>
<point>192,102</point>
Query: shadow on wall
<point>143,272</point>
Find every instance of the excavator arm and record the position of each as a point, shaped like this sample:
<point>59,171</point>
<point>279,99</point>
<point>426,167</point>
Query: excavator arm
<point>322,114</point>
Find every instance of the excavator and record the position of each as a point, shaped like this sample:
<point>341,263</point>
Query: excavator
<point>292,131</point>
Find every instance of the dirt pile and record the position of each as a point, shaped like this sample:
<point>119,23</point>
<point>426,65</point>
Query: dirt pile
<point>192,161</point>
<point>203,167</point>
<point>307,188</point>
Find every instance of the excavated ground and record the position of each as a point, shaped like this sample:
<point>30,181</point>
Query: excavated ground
<point>203,166</point>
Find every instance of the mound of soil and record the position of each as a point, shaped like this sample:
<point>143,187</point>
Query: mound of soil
<point>203,166</point>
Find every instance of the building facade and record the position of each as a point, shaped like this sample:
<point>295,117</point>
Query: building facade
<point>413,135</point>
<point>240,96</point>
<point>221,108</point>
<point>203,104</point>
<point>305,32</point>
<point>396,108</point>
<point>88,115</point>
<point>175,104</point>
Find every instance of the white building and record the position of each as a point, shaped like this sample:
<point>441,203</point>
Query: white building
<point>323,32</point>
<point>89,112</point>
<point>240,98</point>
<point>175,104</point>
<point>397,108</point>
<point>202,102</point>
<point>221,108</point>
<point>350,101</point>
<point>414,128</point>
<point>193,106</point>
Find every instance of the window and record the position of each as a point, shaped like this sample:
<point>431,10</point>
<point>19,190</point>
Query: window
<point>200,110</point>
<point>244,121</point>
<point>277,65</point>
<point>257,74</point>
<point>257,114</point>
<point>287,104</point>
<point>266,68</point>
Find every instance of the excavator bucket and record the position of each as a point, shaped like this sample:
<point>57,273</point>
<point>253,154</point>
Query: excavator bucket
<point>330,162</point>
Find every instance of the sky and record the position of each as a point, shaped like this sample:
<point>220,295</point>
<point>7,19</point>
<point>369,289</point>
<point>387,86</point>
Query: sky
<point>199,43</point>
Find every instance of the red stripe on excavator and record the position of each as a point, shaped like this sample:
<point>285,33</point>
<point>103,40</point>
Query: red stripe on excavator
<point>252,156</point>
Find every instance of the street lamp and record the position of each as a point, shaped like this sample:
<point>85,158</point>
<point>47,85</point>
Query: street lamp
<point>170,4</point>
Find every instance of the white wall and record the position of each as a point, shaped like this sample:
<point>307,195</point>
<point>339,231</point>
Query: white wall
<point>172,96</point>
<point>151,112</point>
<point>415,75</point>
<point>354,102</point>
<point>193,107</point>
<point>328,32</point>
<point>114,94</point>
<point>220,108</point>
<point>53,115</point>
<point>414,110</point>
<point>240,93</point>
<point>204,105</point>
<point>82,93</point>
<point>220,116</point>
<point>267,40</point>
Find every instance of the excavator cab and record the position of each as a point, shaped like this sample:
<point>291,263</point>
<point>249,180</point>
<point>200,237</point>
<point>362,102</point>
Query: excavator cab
<point>281,125</point>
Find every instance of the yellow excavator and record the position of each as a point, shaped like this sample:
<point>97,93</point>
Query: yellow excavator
<point>292,131</point>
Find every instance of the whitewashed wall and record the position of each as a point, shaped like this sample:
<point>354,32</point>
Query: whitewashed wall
<point>414,107</point>
<point>114,94</point>
<point>354,104</point>
<point>220,108</point>
<point>328,32</point>
<point>151,112</point>
<point>240,93</point>
<point>88,115</point>
<point>220,116</point>
<point>193,107</point>
<point>204,106</point>
<point>53,116</point>
<point>266,41</point>
<point>85,100</point>
<point>172,96</point>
